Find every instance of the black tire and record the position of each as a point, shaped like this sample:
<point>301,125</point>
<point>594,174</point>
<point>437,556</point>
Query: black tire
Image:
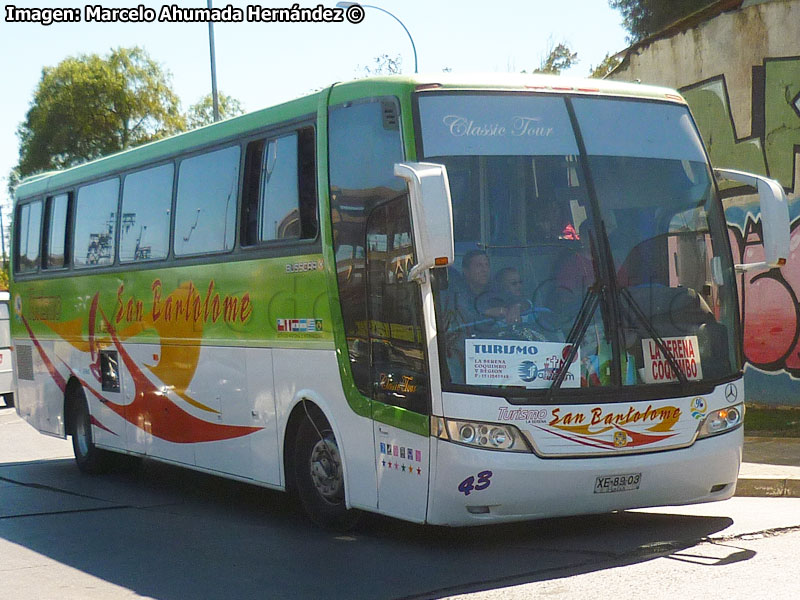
<point>90,458</point>
<point>319,479</point>
<point>9,399</point>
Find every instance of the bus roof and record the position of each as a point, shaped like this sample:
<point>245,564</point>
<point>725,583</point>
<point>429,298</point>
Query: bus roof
<point>524,81</point>
<point>153,152</point>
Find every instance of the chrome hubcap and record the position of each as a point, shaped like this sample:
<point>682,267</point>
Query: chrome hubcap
<point>326,470</point>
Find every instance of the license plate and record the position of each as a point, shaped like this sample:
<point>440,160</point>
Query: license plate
<point>617,483</point>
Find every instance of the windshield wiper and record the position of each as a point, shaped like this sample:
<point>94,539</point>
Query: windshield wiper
<point>591,300</point>
<point>648,325</point>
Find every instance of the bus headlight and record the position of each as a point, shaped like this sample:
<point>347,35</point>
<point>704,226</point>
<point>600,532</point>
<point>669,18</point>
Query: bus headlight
<point>490,436</point>
<point>722,420</point>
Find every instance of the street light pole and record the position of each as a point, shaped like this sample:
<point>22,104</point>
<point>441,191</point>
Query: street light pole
<point>408,33</point>
<point>214,95</point>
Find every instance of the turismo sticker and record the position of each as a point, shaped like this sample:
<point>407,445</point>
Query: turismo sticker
<point>519,363</point>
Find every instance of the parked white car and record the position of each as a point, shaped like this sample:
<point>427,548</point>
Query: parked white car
<point>6,372</point>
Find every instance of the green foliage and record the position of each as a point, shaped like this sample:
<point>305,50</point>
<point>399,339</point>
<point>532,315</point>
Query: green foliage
<point>558,58</point>
<point>643,18</point>
<point>88,106</point>
<point>202,113</point>
<point>608,64</point>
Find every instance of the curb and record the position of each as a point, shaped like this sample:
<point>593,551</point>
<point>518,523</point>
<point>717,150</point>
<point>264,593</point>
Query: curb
<point>768,488</point>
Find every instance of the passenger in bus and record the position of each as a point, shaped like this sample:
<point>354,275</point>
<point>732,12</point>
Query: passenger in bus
<point>501,301</point>
<point>511,296</point>
<point>475,308</point>
<point>467,309</point>
<point>461,309</point>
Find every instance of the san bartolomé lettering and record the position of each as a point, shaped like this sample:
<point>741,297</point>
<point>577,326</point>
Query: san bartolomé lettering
<point>597,416</point>
<point>189,305</point>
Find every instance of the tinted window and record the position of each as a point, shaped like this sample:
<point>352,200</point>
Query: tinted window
<point>365,144</point>
<point>280,216</point>
<point>29,221</point>
<point>95,223</point>
<point>279,199</point>
<point>205,212</point>
<point>397,339</point>
<point>146,206</point>
<point>57,213</point>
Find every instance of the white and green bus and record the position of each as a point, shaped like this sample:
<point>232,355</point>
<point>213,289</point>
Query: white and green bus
<point>452,301</point>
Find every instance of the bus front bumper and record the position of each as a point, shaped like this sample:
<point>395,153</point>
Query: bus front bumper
<point>471,486</point>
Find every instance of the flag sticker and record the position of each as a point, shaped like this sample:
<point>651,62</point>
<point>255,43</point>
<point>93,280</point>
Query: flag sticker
<point>299,325</point>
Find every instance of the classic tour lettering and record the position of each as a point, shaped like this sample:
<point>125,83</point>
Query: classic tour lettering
<point>405,385</point>
<point>459,126</point>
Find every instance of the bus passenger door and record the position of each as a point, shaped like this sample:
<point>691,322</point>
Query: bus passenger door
<point>398,367</point>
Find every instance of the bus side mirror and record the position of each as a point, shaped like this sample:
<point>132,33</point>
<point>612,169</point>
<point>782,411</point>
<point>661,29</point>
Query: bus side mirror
<point>774,217</point>
<point>431,215</point>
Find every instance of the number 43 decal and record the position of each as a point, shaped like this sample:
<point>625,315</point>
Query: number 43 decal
<point>468,485</point>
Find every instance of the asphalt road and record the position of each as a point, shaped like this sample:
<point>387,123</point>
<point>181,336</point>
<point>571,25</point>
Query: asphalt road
<point>167,533</point>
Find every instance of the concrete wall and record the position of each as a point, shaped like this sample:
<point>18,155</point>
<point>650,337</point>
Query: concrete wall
<point>740,73</point>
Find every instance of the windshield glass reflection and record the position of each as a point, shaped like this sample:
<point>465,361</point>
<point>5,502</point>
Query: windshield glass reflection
<point>620,251</point>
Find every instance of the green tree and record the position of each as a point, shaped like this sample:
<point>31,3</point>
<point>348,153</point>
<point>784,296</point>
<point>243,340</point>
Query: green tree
<point>643,18</point>
<point>608,64</point>
<point>558,58</point>
<point>4,276</point>
<point>88,106</point>
<point>202,113</point>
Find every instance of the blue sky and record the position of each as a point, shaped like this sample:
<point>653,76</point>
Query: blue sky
<point>262,63</point>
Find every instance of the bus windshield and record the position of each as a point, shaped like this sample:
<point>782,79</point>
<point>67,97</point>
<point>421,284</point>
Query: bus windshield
<point>591,248</point>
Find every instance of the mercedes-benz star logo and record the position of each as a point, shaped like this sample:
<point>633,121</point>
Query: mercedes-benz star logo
<point>731,393</point>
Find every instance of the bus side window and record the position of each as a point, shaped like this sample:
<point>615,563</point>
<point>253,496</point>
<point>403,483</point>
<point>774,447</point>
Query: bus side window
<point>55,236</point>
<point>146,208</point>
<point>365,143</point>
<point>279,199</point>
<point>95,223</point>
<point>28,238</point>
<point>205,203</point>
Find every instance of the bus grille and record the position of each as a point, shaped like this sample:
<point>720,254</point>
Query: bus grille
<point>24,362</point>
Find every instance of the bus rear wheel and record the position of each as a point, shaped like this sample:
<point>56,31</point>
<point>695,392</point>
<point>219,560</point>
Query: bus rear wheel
<point>319,477</point>
<point>89,458</point>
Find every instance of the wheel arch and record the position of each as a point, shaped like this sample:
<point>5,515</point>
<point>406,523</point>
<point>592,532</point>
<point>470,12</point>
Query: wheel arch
<point>308,402</point>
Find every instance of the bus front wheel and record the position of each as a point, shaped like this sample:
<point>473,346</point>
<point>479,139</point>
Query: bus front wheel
<point>319,476</point>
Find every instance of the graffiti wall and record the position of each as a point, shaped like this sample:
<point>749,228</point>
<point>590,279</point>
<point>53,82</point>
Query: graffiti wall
<point>727,70</point>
